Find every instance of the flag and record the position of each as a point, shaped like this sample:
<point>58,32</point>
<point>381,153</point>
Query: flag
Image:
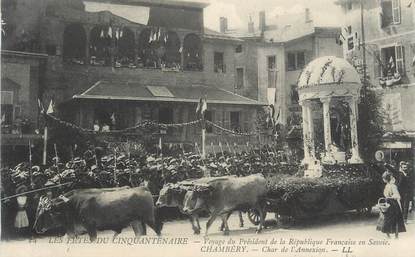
<point>201,107</point>
<point>113,118</point>
<point>3,118</point>
<point>42,110</point>
<point>159,35</point>
<point>391,62</point>
<point>160,144</point>
<point>151,37</point>
<point>102,34</point>
<point>117,34</point>
<point>110,31</point>
<point>50,108</point>
<point>121,32</point>
<point>270,116</point>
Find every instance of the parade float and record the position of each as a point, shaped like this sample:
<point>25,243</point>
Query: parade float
<point>334,178</point>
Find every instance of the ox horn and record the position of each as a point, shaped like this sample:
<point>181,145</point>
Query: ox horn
<point>64,198</point>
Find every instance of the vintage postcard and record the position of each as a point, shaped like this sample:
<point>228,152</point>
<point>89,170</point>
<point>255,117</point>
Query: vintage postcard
<point>207,128</point>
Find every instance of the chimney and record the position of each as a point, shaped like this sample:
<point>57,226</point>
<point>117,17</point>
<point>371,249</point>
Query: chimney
<point>262,23</point>
<point>307,15</point>
<point>223,23</point>
<point>251,28</point>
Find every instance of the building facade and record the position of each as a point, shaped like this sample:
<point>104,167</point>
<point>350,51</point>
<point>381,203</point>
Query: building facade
<point>21,77</point>
<point>389,31</point>
<point>281,47</point>
<point>107,70</point>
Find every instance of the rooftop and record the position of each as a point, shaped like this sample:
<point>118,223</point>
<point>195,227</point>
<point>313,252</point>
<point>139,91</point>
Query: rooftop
<point>150,3</point>
<point>328,70</point>
<point>134,91</point>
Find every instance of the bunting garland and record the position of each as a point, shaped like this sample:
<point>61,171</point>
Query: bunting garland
<point>142,125</point>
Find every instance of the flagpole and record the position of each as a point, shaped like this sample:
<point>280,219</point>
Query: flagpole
<point>45,144</point>
<point>213,149</point>
<point>203,142</point>
<point>30,164</point>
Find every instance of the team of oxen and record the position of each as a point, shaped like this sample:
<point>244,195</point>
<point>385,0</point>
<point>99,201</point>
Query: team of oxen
<point>91,210</point>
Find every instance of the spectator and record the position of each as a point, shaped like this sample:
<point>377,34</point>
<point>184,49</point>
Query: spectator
<point>392,217</point>
<point>21,222</point>
<point>405,184</point>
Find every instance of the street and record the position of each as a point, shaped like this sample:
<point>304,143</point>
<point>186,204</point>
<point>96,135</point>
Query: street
<point>350,234</point>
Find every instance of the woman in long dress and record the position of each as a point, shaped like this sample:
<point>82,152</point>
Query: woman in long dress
<point>393,219</point>
<point>21,222</point>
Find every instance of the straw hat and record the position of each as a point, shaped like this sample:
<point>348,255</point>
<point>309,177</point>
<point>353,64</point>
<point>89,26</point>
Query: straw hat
<point>21,189</point>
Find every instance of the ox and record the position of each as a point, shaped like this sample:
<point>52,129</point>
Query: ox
<point>99,209</point>
<point>172,195</point>
<point>224,196</point>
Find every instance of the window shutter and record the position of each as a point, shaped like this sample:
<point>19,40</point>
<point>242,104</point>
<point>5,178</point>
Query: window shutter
<point>227,119</point>
<point>377,64</point>
<point>400,62</point>
<point>218,120</point>
<point>138,115</point>
<point>396,11</point>
<point>246,115</point>
<point>6,97</point>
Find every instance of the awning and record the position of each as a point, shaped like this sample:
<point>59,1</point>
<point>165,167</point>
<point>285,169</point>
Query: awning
<point>133,91</point>
<point>14,140</point>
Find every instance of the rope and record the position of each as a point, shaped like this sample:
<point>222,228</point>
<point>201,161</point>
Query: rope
<point>137,126</point>
<point>35,190</point>
<point>229,131</point>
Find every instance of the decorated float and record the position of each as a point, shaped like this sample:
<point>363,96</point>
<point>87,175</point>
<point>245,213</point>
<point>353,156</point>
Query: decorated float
<point>334,178</point>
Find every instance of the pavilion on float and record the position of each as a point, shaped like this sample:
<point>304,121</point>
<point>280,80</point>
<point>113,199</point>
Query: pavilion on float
<point>329,92</point>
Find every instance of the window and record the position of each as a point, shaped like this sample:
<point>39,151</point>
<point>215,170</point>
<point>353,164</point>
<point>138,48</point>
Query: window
<point>239,78</point>
<point>238,49</point>
<point>209,117</point>
<point>393,60</point>
<point>166,115</point>
<point>294,94</point>
<point>271,62</point>
<point>51,50</point>
<point>349,5</point>
<point>295,61</point>
<point>390,12</point>
<point>272,71</point>
<point>235,121</point>
<point>218,63</point>
<point>6,108</point>
<point>350,43</point>
<point>300,60</point>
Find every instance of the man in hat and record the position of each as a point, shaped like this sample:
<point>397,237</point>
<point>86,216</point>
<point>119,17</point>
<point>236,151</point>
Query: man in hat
<point>405,183</point>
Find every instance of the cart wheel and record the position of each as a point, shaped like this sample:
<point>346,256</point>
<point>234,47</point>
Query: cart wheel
<point>253,216</point>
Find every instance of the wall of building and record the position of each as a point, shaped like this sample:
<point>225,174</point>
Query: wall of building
<point>25,71</point>
<point>265,50</point>
<point>377,37</point>
<point>373,29</point>
<point>248,60</point>
<point>402,94</point>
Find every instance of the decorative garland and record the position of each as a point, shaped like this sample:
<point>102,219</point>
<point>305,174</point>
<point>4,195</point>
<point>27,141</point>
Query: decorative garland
<point>141,125</point>
<point>230,131</point>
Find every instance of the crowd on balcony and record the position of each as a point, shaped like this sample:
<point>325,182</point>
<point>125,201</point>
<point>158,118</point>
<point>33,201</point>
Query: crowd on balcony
<point>155,47</point>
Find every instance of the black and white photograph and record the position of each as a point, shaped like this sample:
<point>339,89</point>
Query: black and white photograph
<point>207,128</point>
